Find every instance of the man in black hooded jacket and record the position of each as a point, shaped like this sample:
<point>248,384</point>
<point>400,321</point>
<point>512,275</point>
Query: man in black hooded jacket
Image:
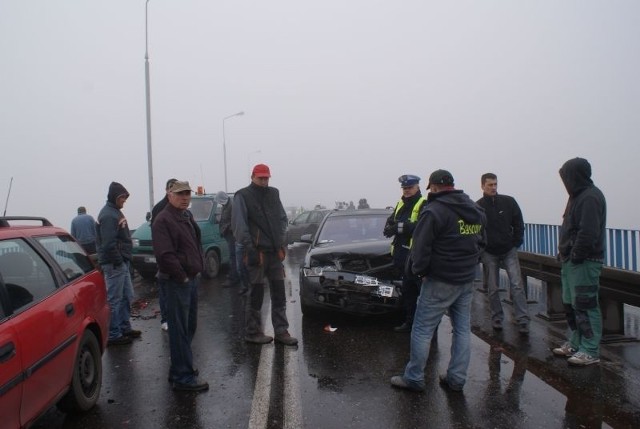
<point>581,249</point>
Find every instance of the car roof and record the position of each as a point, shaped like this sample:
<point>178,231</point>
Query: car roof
<point>359,212</point>
<point>16,226</point>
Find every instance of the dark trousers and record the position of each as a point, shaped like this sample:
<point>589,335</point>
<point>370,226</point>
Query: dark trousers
<point>182,315</point>
<point>410,292</point>
<point>234,276</point>
<point>272,270</point>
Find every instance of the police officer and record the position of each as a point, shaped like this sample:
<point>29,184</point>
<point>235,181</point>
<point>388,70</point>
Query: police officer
<point>400,226</point>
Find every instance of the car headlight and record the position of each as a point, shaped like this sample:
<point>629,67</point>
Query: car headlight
<point>317,271</point>
<point>135,242</point>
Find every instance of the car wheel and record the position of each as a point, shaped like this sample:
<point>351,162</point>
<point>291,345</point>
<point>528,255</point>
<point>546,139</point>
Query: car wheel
<point>211,265</point>
<point>87,376</point>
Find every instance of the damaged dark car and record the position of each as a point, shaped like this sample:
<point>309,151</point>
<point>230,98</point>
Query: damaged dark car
<point>348,266</point>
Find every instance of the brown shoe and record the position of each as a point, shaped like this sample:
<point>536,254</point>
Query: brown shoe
<point>259,338</point>
<point>286,339</point>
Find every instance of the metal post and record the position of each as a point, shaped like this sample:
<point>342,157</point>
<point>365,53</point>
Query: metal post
<point>148,98</point>
<point>224,149</point>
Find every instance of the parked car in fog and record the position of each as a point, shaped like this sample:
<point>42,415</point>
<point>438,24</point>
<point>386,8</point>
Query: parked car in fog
<point>54,321</point>
<point>348,266</point>
<point>305,223</point>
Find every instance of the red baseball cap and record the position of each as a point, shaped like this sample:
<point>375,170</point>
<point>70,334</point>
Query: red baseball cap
<point>261,170</point>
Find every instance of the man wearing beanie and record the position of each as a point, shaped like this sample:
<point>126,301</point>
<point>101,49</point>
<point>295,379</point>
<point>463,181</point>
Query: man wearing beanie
<point>113,241</point>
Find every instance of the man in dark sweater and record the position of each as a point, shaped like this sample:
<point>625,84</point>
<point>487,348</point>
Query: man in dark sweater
<point>180,261</point>
<point>260,225</point>
<point>581,249</point>
<point>447,242</point>
<point>505,233</point>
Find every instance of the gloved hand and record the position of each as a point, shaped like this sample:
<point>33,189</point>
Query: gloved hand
<point>252,257</point>
<point>390,229</point>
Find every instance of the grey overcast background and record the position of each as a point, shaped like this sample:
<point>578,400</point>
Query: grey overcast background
<point>340,98</point>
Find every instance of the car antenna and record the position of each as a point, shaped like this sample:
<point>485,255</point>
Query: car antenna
<point>6,203</point>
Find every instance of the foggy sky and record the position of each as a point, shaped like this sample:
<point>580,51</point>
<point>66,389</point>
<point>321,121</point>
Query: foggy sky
<point>340,98</point>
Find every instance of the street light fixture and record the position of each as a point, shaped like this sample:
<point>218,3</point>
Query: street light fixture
<point>148,97</point>
<point>224,148</point>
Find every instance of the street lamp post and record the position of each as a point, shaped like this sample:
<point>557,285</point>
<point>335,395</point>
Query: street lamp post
<point>224,148</point>
<point>148,99</point>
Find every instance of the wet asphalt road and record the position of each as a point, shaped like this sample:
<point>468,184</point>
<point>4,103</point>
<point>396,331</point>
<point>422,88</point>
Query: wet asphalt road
<point>341,379</point>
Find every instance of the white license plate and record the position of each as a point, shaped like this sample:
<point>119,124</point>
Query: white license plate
<point>386,291</point>
<point>150,259</point>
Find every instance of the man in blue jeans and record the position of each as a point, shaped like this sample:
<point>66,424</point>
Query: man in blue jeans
<point>180,261</point>
<point>113,241</point>
<point>505,233</point>
<point>446,246</point>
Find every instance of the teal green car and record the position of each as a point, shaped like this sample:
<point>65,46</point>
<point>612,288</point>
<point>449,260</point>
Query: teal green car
<point>206,213</point>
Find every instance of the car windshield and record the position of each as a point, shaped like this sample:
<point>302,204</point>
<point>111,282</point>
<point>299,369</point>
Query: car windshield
<point>201,208</point>
<point>349,229</point>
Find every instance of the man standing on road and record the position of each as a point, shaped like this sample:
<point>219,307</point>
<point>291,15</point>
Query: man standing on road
<point>400,226</point>
<point>113,241</point>
<point>83,229</point>
<point>162,293</point>
<point>180,261</point>
<point>581,249</point>
<point>260,225</point>
<point>222,198</point>
<point>446,247</point>
<point>505,233</point>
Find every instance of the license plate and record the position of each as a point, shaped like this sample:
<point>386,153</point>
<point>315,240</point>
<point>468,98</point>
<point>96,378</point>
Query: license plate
<point>386,291</point>
<point>150,259</point>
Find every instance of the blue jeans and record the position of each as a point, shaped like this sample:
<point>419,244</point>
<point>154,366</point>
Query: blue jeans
<point>434,300</point>
<point>182,316</point>
<point>512,267</point>
<point>119,295</point>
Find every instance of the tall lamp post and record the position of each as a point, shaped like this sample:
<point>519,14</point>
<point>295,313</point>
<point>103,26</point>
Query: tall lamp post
<point>148,97</point>
<point>224,148</point>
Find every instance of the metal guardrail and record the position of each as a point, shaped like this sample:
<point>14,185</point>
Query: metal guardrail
<point>623,245</point>
<point>617,287</point>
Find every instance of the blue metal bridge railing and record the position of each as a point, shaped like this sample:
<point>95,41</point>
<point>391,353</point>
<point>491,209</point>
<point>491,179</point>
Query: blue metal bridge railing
<point>622,244</point>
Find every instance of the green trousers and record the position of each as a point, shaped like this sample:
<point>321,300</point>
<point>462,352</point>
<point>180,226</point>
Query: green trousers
<point>580,287</point>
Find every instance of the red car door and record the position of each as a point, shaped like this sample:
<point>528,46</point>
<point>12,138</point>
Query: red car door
<point>10,375</point>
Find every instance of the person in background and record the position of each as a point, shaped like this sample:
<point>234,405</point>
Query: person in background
<point>400,226</point>
<point>176,246</point>
<point>260,225</point>
<point>222,198</point>
<point>113,241</point>
<point>162,293</point>
<point>83,229</point>
<point>581,248</point>
<point>447,242</point>
<point>505,233</point>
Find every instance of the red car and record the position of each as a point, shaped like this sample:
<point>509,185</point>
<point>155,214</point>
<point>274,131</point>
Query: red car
<point>54,320</point>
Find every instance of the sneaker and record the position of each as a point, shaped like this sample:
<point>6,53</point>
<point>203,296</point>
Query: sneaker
<point>258,338</point>
<point>582,359</point>
<point>564,350</point>
<point>444,382</point>
<point>286,339</point>
<point>119,341</point>
<point>405,327</point>
<point>497,324</point>
<point>191,387</point>
<point>164,326</point>
<point>524,328</point>
<point>400,382</point>
<point>133,333</point>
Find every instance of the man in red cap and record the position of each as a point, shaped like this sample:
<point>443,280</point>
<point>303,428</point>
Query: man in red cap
<point>259,224</point>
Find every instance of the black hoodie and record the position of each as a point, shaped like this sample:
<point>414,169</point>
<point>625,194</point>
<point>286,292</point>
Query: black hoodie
<point>448,238</point>
<point>582,235</point>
